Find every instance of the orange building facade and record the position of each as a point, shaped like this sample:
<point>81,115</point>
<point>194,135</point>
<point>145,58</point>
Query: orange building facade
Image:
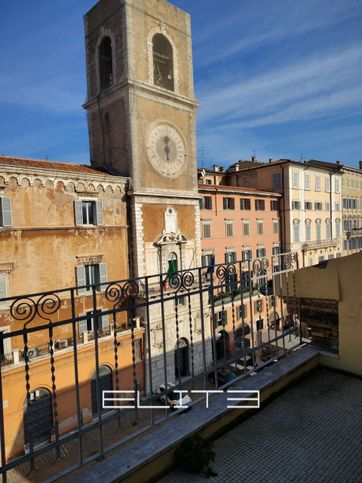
<point>241,224</point>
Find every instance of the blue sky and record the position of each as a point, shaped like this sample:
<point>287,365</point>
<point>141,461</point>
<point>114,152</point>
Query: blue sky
<point>274,78</point>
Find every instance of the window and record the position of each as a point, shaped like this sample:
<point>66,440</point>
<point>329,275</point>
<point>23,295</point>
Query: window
<point>221,318</point>
<point>259,205</point>
<point>337,207</point>
<point>230,257</point>
<point>206,229</point>
<point>260,252</point>
<point>275,226</point>
<point>318,230</point>
<point>327,184</point>
<point>247,254</point>
<point>105,63</point>
<point>229,228</point>
<point>228,203</point>
<point>207,202</point>
<point>258,306</point>
<point>318,206</point>
<point>295,179</point>
<point>206,259</point>
<point>274,205</point>
<point>276,250</point>
<point>337,185</point>
<point>5,212</point>
<point>306,181</point>
<point>260,227</point>
<point>277,180</point>
<point>296,205</point>
<point>328,229</point>
<point>296,231</point>
<point>328,206</point>
<point>308,205</point>
<point>88,213</point>
<point>317,183</point>
<point>93,322</point>
<point>88,275</point>
<point>245,204</point>
<point>308,230</point>
<point>246,227</point>
<point>243,311</point>
<point>162,62</point>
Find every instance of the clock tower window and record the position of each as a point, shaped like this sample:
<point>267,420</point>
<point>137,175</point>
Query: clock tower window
<point>162,62</point>
<point>105,63</point>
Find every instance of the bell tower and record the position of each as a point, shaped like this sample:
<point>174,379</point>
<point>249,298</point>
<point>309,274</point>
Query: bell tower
<point>141,118</point>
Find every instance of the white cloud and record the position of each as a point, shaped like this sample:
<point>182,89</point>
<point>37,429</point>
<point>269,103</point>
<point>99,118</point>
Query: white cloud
<point>294,92</point>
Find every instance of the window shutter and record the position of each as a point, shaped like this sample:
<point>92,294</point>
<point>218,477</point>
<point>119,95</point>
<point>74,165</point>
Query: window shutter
<point>5,212</point>
<point>80,271</point>
<point>82,326</point>
<point>99,213</point>
<point>78,215</point>
<point>2,286</point>
<point>224,317</point>
<point>105,322</point>
<point>102,274</point>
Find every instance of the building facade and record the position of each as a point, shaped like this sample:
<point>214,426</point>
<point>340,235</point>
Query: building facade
<point>63,231</point>
<point>311,206</point>
<point>352,209</point>
<point>240,224</point>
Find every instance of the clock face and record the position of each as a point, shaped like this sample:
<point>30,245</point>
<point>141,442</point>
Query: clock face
<point>166,150</point>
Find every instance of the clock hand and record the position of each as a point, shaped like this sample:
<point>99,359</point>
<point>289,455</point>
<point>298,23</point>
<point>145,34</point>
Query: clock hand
<point>167,149</point>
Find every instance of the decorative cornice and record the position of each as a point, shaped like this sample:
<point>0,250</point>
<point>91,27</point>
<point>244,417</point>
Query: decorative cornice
<point>90,259</point>
<point>6,267</point>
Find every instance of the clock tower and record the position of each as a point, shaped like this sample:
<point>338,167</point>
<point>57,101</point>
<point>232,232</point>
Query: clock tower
<point>141,116</point>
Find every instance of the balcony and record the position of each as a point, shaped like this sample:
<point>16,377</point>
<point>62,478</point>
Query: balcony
<point>138,444</point>
<point>316,244</point>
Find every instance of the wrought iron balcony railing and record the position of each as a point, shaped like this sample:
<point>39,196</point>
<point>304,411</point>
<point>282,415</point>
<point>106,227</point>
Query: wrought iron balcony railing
<point>132,336</point>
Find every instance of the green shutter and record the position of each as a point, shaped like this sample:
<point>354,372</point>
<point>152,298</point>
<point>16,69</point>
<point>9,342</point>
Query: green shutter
<point>224,317</point>
<point>5,212</point>
<point>99,213</point>
<point>105,322</point>
<point>2,285</point>
<point>82,326</point>
<point>80,272</point>
<point>102,275</point>
<point>78,215</point>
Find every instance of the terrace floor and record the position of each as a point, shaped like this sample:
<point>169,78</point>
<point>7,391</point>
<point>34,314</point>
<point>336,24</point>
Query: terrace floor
<point>312,432</point>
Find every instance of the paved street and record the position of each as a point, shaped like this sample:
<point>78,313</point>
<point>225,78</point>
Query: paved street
<point>313,432</point>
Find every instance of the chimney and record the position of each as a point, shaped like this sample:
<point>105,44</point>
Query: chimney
<point>253,158</point>
<point>360,165</point>
<point>270,160</point>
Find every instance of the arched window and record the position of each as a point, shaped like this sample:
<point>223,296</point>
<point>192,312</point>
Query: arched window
<point>105,383</point>
<point>162,62</point>
<point>328,229</point>
<point>338,228</point>
<point>105,63</point>
<point>318,229</point>
<point>172,264</point>
<point>182,358</point>
<point>296,231</point>
<point>308,229</point>
<point>38,417</point>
